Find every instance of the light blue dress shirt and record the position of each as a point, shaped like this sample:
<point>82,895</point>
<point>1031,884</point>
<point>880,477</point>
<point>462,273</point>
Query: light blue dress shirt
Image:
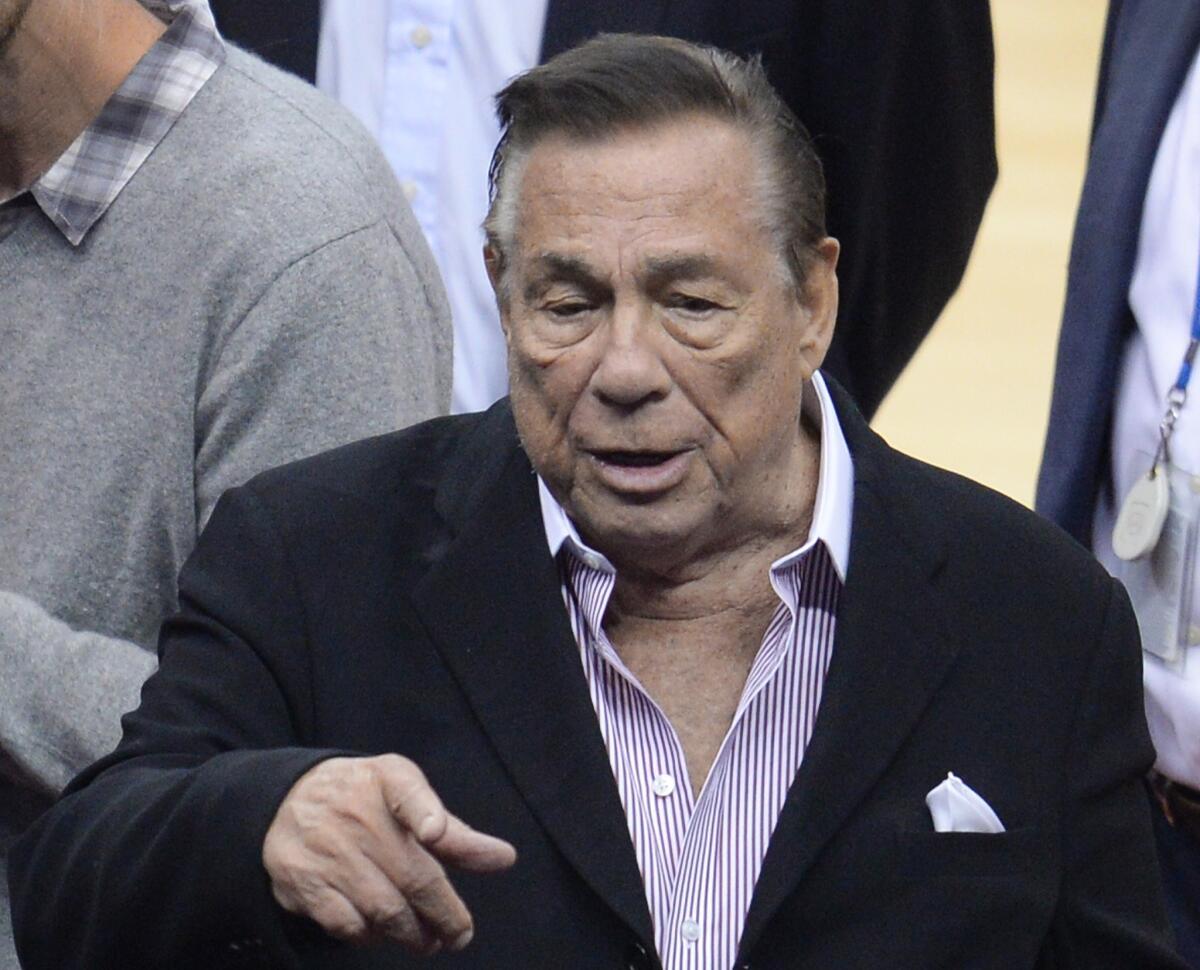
<point>421,74</point>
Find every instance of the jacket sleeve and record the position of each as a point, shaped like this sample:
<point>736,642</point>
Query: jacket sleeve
<point>1111,911</point>
<point>153,858</point>
<point>898,96</point>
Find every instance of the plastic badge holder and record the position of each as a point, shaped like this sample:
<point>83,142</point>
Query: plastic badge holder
<point>1162,585</point>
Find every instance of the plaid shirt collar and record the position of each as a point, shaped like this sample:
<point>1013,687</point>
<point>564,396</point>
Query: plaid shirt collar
<point>78,189</point>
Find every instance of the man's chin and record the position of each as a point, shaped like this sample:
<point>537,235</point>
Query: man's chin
<point>638,532</point>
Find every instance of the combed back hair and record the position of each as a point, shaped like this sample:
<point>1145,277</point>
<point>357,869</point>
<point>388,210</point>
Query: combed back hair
<point>618,82</point>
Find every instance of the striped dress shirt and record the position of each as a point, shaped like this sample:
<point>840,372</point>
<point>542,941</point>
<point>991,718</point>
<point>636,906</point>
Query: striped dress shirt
<point>700,856</point>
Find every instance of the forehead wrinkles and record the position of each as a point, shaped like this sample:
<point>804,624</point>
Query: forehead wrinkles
<point>630,232</point>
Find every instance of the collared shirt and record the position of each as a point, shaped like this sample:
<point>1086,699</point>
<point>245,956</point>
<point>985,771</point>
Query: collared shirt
<point>87,178</point>
<point>421,75</point>
<point>700,857</point>
<point>1161,295</point>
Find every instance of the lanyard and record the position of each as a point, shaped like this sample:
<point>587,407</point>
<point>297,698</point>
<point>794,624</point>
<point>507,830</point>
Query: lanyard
<point>1144,512</point>
<point>1177,395</point>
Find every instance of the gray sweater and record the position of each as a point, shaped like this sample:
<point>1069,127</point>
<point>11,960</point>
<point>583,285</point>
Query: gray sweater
<point>258,292</point>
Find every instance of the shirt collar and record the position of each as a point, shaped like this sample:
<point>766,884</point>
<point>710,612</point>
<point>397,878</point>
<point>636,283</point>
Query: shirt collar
<point>832,510</point>
<point>85,180</point>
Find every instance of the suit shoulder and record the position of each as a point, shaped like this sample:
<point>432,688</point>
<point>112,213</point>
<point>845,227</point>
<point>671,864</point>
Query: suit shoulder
<point>449,457</point>
<point>403,460</point>
<point>991,534</point>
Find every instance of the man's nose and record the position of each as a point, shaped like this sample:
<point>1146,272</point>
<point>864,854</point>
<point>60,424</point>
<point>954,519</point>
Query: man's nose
<point>631,370</point>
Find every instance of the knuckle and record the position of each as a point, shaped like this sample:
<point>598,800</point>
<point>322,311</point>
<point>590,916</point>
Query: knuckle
<point>407,779</point>
<point>340,923</point>
<point>403,794</point>
<point>352,931</point>
<point>426,880</point>
<point>391,915</point>
<point>396,764</point>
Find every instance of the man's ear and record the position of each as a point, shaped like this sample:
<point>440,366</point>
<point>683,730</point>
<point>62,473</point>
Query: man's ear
<point>493,261</point>
<point>819,298</point>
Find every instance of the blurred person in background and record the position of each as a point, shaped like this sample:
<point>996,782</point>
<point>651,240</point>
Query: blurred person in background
<point>896,93</point>
<point>206,269</point>
<point>1122,451</point>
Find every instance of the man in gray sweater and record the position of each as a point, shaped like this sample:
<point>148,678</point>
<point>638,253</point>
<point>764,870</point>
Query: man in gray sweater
<point>205,269</point>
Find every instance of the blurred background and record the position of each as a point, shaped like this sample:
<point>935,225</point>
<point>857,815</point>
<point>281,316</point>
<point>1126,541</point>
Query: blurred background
<point>976,396</point>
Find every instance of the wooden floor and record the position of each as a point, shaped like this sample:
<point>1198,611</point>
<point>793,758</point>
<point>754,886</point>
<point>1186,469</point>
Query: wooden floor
<point>976,397</point>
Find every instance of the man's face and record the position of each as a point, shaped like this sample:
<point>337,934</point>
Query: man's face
<point>657,346</point>
<point>12,12</point>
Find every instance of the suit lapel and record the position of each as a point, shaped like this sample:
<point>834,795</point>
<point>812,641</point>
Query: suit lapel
<point>494,608</point>
<point>570,22</point>
<point>891,653</point>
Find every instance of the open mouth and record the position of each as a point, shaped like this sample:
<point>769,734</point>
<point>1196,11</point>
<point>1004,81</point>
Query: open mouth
<point>641,473</point>
<point>635,459</point>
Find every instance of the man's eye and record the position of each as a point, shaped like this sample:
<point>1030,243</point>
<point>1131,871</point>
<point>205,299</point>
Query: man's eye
<point>693,304</point>
<point>568,308</point>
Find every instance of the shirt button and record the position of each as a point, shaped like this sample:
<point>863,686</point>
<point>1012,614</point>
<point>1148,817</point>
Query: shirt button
<point>690,930</point>
<point>664,785</point>
<point>420,36</point>
<point>409,188</point>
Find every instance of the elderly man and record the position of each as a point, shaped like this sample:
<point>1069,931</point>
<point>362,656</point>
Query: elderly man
<point>896,93</point>
<point>206,269</point>
<point>724,680</point>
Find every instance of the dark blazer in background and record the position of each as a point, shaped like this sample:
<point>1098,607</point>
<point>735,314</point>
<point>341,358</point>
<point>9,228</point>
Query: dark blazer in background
<point>1148,47</point>
<point>896,93</point>
<point>398,595</point>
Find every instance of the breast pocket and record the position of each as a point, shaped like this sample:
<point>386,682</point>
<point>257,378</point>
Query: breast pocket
<point>1023,853</point>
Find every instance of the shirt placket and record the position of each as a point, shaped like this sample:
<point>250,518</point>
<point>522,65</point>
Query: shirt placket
<point>683,844</point>
<point>695,934</point>
<point>645,753</point>
<point>415,79</point>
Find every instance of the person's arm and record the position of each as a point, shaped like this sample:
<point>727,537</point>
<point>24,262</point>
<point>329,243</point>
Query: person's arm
<point>220,817</point>
<point>1111,911</point>
<point>350,340</point>
<point>899,98</point>
<point>65,693</point>
<point>153,857</point>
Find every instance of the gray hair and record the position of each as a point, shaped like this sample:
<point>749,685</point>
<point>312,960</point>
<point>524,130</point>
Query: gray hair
<point>616,82</point>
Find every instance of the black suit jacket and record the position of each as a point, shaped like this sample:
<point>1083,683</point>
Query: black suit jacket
<point>398,595</point>
<point>897,95</point>
<point>1148,47</point>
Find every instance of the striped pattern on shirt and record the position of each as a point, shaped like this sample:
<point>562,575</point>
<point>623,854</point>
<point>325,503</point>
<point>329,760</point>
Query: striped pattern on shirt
<point>700,857</point>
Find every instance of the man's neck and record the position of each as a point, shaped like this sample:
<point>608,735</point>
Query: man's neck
<point>56,74</point>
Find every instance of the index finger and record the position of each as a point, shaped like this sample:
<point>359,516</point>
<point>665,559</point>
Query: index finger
<point>466,848</point>
<point>410,799</point>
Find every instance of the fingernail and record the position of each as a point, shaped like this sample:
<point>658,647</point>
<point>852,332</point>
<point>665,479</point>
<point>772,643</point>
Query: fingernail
<point>461,941</point>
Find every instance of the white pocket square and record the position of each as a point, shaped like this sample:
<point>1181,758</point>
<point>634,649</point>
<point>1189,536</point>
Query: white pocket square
<point>955,808</point>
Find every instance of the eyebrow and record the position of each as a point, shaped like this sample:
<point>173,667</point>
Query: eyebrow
<point>554,267</point>
<point>662,269</point>
<point>659,270</point>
